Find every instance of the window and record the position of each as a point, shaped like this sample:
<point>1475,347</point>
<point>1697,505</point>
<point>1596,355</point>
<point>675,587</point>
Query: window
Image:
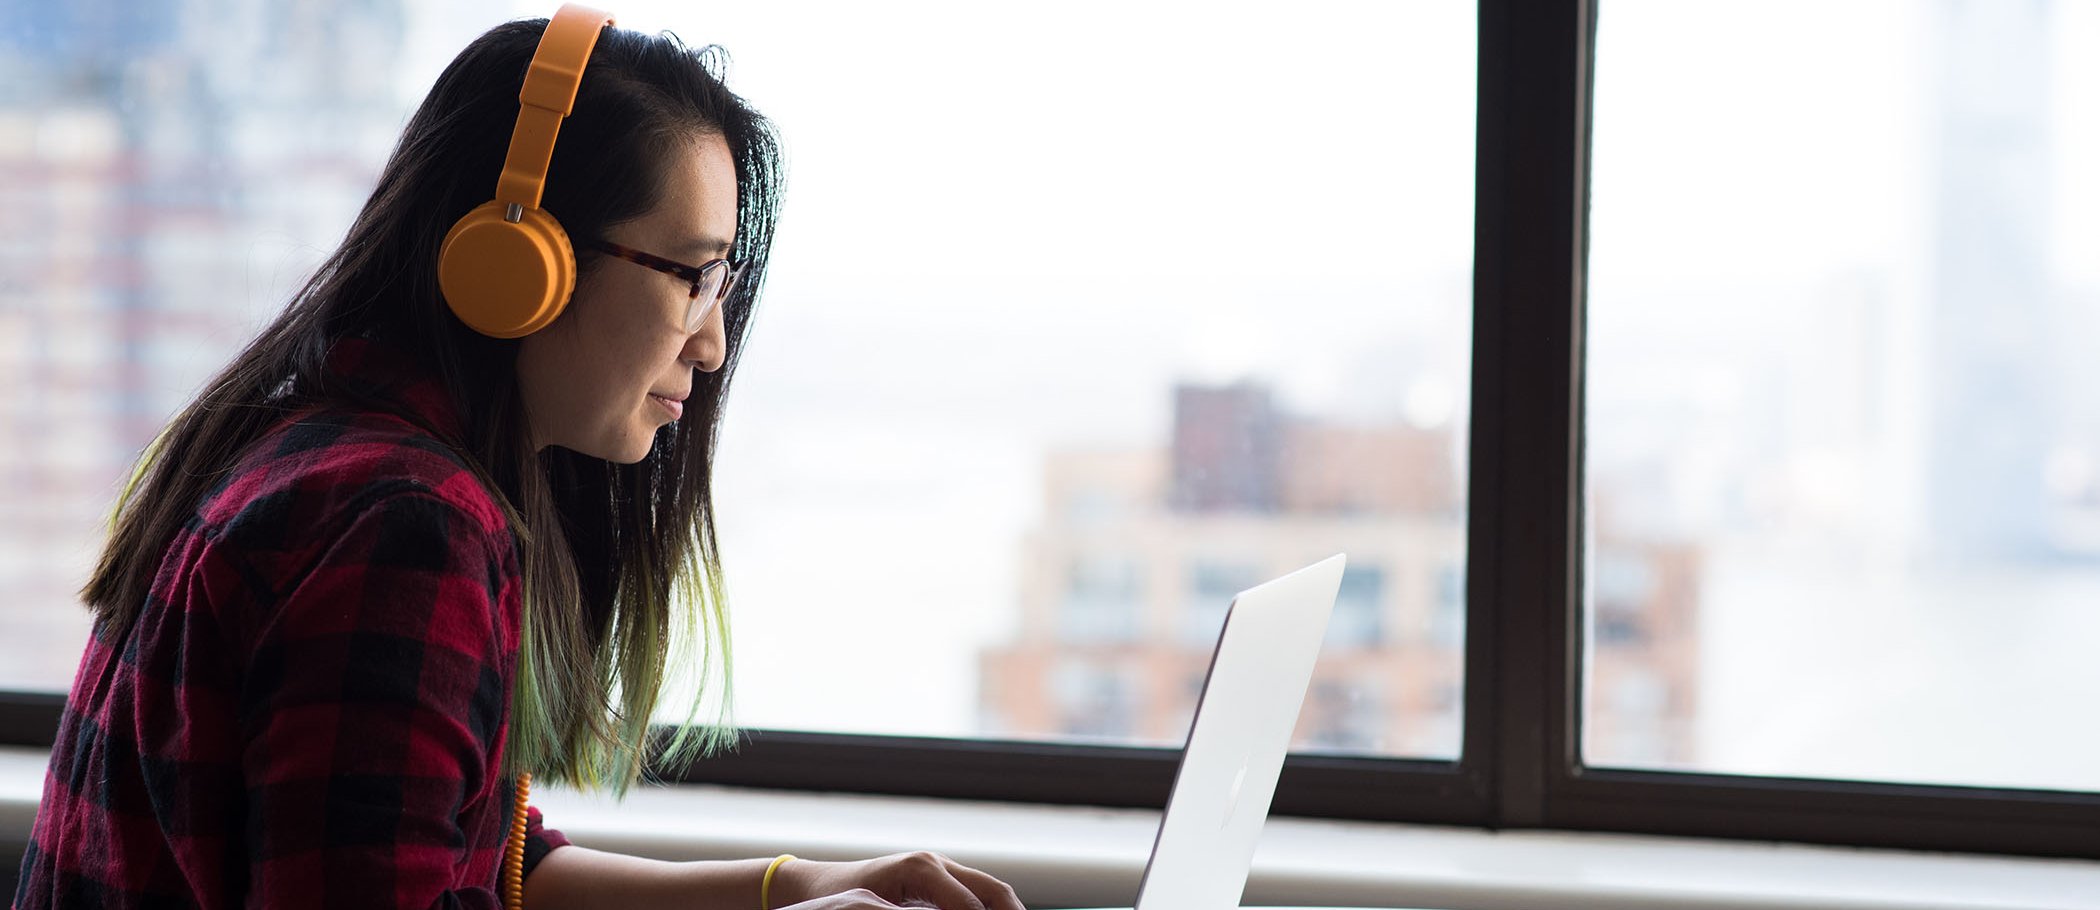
<point>1158,343</point>
<point>1447,620</point>
<point>1841,428</point>
<point>1310,303</point>
<point>1095,701</point>
<point>1212,585</point>
<point>164,190</point>
<point>1343,717</point>
<point>1102,598</point>
<point>1359,609</point>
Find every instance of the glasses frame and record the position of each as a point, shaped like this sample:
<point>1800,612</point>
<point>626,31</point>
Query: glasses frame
<point>695,275</point>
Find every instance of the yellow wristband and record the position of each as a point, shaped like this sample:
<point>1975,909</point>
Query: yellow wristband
<point>765,888</point>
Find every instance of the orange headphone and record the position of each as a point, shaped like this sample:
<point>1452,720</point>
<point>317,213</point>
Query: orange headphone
<point>507,268</point>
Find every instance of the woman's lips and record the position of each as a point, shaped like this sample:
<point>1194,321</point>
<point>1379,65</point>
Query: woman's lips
<point>677,408</point>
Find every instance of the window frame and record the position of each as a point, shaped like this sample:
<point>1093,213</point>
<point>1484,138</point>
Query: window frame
<point>1520,761</point>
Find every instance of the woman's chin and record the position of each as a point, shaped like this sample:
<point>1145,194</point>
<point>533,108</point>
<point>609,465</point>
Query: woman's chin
<point>633,450</point>
<point>627,450</point>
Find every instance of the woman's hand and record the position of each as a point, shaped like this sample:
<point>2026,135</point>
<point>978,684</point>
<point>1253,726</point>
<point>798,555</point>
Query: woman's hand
<point>900,879</point>
<point>856,899</point>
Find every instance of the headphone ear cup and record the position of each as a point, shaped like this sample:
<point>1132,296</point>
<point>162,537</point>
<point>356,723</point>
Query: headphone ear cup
<point>504,279</point>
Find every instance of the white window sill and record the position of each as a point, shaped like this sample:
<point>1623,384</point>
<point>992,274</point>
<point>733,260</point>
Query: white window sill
<point>1061,856</point>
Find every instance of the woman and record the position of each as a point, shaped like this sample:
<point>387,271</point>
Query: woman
<point>388,562</point>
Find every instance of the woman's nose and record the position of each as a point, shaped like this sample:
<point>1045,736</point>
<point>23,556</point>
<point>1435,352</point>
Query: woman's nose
<point>706,348</point>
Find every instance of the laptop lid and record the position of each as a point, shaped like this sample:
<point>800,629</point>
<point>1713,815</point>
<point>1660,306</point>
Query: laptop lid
<point>1259,672</point>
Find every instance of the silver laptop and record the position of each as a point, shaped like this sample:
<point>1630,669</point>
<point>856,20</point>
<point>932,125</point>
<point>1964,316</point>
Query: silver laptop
<point>1258,677</point>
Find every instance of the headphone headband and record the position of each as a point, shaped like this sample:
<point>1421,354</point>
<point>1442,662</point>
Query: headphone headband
<point>548,96</point>
<point>506,268</point>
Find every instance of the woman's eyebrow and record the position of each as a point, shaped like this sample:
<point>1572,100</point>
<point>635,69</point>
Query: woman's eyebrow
<point>704,244</point>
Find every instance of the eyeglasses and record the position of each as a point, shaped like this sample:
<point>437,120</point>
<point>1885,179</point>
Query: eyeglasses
<point>711,281</point>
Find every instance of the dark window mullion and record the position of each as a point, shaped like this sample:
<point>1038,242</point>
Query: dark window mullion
<point>1313,785</point>
<point>30,718</point>
<point>1527,338</point>
<point>1853,813</point>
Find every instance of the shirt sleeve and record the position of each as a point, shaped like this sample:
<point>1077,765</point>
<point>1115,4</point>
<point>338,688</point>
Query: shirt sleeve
<point>540,840</point>
<point>371,707</point>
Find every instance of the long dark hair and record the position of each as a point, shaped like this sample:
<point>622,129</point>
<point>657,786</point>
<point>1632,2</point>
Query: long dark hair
<point>617,558</point>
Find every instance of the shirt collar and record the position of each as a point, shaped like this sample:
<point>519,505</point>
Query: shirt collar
<point>383,371</point>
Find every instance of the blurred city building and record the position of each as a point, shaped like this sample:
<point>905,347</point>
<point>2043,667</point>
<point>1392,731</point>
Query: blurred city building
<point>144,149</point>
<point>1125,585</point>
<point>1990,389</point>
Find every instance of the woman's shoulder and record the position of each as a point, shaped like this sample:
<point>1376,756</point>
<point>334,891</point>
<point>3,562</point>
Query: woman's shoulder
<point>327,464</point>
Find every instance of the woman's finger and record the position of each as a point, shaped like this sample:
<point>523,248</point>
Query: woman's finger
<point>932,879</point>
<point>860,898</point>
<point>995,894</point>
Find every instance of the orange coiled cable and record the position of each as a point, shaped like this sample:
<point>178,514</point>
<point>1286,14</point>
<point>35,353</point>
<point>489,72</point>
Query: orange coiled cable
<point>514,849</point>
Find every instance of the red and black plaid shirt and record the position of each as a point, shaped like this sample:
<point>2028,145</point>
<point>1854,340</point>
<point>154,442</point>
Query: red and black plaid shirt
<point>310,709</point>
